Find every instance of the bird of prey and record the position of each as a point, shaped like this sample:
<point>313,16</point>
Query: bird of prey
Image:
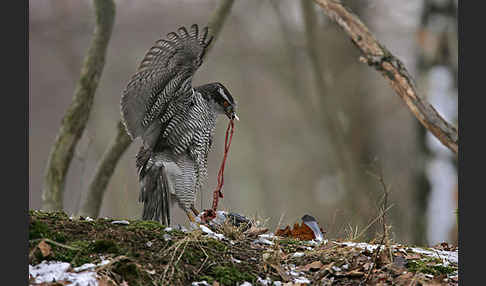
<point>175,121</point>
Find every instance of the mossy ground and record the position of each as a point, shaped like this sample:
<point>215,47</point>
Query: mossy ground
<point>143,253</point>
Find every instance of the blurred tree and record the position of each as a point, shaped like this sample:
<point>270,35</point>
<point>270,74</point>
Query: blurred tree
<point>77,115</point>
<point>438,69</point>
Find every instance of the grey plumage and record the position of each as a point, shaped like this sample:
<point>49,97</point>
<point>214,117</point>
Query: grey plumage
<point>175,121</point>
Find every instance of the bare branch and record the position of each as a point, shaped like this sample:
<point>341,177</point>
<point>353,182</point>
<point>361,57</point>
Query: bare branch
<point>77,115</point>
<point>216,22</point>
<point>122,141</point>
<point>376,55</point>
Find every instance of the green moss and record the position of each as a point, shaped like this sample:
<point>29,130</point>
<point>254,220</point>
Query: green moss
<point>194,256</point>
<point>59,237</point>
<point>289,244</point>
<point>128,271</point>
<point>427,267</point>
<point>230,275</point>
<point>131,273</point>
<point>215,245</point>
<point>48,215</point>
<point>77,257</point>
<point>80,244</point>
<point>84,252</point>
<point>38,229</point>
<point>146,224</point>
<point>206,278</point>
<point>105,246</point>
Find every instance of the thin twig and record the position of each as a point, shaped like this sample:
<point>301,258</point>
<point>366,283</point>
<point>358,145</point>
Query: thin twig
<point>372,222</point>
<point>384,237</point>
<point>55,243</point>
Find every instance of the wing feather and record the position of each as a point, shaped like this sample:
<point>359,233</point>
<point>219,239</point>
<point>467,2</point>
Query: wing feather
<point>164,74</point>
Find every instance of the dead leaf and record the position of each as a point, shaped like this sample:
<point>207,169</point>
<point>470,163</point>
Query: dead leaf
<point>284,232</point>
<point>354,274</point>
<point>412,256</point>
<point>404,279</point>
<point>44,248</point>
<point>105,281</point>
<point>431,283</point>
<point>302,232</point>
<point>316,265</point>
<point>285,277</point>
<point>254,231</point>
<point>215,283</point>
<point>328,267</point>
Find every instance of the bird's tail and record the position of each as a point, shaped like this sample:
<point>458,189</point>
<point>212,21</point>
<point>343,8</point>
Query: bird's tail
<point>154,192</point>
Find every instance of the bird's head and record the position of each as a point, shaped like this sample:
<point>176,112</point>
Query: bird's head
<point>222,99</point>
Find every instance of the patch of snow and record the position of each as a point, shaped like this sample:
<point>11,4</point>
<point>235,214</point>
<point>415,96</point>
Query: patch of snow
<point>298,254</point>
<point>211,233</point>
<point>246,284</point>
<point>48,271</point>
<point>267,235</point>
<point>362,245</point>
<point>235,260</point>
<point>91,265</point>
<point>166,237</point>
<point>277,283</point>
<point>335,268</point>
<point>125,222</point>
<point>316,243</point>
<point>167,229</point>
<point>265,282</point>
<point>202,283</point>
<point>302,280</point>
<point>84,267</point>
<point>294,273</point>
<point>263,241</point>
<point>52,271</point>
<point>446,256</point>
<point>264,238</point>
<point>88,219</point>
<point>148,244</point>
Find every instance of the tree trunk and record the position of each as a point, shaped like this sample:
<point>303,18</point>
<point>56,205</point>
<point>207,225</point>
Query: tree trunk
<point>77,115</point>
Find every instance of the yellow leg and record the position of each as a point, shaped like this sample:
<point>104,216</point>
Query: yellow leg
<point>194,210</point>
<point>191,217</point>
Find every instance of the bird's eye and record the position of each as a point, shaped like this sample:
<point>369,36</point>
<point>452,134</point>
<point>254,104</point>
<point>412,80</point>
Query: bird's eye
<point>225,104</point>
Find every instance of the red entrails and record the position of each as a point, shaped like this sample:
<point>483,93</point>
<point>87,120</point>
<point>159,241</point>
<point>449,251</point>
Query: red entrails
<point>217,193</point>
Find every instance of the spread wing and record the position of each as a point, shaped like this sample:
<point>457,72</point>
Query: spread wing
<point>164,74</point>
